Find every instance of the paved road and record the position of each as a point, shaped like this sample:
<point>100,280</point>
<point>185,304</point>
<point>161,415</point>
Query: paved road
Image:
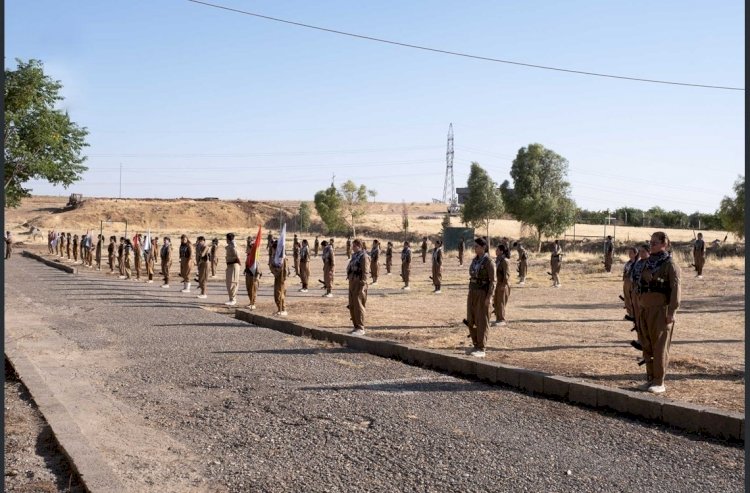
<point>178,398</point>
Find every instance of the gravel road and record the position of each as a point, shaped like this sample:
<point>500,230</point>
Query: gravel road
<point>242,408</point>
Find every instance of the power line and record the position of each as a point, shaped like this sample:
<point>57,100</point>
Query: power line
<point>253,167</point>
<point>264,154</point>
<point>465,55</point>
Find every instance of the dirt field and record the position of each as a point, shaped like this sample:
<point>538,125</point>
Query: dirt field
<point>574,331</point>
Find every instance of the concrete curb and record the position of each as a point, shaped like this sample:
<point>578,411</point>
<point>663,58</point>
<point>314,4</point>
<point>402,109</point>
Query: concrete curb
<point>51,263</point>
<point>708,421</point>
<point>95,473</point>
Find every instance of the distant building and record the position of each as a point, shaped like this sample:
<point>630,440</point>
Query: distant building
<point>462,194</point>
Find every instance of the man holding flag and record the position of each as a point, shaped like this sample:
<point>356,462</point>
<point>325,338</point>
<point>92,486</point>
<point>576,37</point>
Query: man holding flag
<point>148,250</point>
<point>252,269</point>
<point>280,270</point>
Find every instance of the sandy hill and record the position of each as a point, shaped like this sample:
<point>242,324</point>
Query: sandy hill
<point>216,217</point>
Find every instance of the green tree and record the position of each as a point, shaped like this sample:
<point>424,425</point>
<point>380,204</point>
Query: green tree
<point>405,218</point>
<point>328,205</point>
<point>445,224</point>
<point>41,142</point>
<point>303,216</point>
<point>540,196</point>
<point>354,202</point>
<point>732,210</point>
<point>483,202</point>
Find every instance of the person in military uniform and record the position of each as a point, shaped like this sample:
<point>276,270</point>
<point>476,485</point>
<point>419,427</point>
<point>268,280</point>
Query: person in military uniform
<point>75,248</point>
<point>138,255</point>
<point>461,247</point>
<point>214,253</point>
<point>81,251</point>
<point>374,261</point>
<point>328,268</point>
<point>149,260</point>
<point>203,254</point>
<point>127,255</point>
<point>658,286</point>
<point>67,245</point>
<point>111,253</point>
<point>280,271</point>
<point>156,249</point>
<point>502,290</point>
<point>165,255</point>
<point>627,283</point>
<point>406,265</point>
<point>699,255</point>
<point>388,257</point>
<point>481,289</point>
<point>233,269</point>
<point>635,272</point>
<point>269,248</point>
<point>252,275</point>
<point>304,265</point>
<point>186,262</point>
<point>120,255</point>
<point>523,259</point>
<point>556,263</point>
<point>609,251</point>
<point>58,243</point>
<point>316,246</point>
<point>356,274</point>
<point>348,246</point>
<point>8,244</point>
<point>99,241</point>
<point>295,255</point>
<point>437,266</point>
<point>424,249</point>
<point>88,250</point>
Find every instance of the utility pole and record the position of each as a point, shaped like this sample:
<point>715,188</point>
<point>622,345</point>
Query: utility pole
<point>120,180</point>
<point>449,189</point>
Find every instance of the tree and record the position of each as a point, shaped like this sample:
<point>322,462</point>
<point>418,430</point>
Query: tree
<point>732,210</point>
<point>328,205</point>
<point>405,218</point>
<point>41,142</point>
<point>354,202</point>
<point>445,224</point>
<point>540,196</point>
<point>483,202</point>
<point>303,216</point>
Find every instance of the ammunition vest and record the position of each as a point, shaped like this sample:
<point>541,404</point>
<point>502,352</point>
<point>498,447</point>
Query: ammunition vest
<point>478,276</point>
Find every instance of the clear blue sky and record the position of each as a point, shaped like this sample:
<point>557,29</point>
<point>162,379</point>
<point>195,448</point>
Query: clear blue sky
<point>195,101</point>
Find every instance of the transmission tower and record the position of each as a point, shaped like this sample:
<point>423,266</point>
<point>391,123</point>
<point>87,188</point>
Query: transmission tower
<point>449,189</point>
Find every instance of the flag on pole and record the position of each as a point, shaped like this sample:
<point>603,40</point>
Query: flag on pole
<point>251,264</point>
<point>278,257</point>
<point>147,242</point>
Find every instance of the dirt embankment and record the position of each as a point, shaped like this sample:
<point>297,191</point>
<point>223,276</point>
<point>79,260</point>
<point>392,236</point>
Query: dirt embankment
<point>215,217</point>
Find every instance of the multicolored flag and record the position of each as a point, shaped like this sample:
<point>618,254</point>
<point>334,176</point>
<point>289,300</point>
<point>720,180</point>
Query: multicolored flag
<point>278,257</point>
<point>251,264</point>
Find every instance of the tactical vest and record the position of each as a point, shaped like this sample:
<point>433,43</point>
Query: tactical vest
<point>658,282</point>
<point>478,276</point>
